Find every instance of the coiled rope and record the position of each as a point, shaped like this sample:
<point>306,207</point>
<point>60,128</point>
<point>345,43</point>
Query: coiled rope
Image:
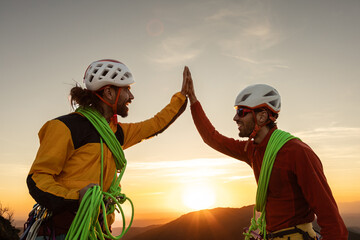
<point>277,140</point>
<point>96,203</point>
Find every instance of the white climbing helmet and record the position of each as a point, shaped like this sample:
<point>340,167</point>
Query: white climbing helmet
<point>259,95</point>
<point>107,72</point>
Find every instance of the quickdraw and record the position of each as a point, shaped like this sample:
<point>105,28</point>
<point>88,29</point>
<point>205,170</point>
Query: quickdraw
<point>37,216</point>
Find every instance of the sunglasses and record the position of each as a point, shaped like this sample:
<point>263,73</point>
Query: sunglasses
<point>241,112</point>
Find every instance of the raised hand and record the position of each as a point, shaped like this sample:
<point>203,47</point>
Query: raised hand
<point>188,86</point>
<point>185,85</point>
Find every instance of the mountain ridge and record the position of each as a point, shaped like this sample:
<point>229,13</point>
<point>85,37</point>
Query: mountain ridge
<point>217,223</point>
<point>209,224</point>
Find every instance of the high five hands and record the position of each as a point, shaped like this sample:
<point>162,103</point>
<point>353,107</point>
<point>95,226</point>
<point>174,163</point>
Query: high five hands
<point>188,86</point>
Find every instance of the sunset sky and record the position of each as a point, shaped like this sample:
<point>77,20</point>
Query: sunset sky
<point>308,50</point>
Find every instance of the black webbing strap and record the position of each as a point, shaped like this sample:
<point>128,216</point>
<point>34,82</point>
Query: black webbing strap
<point>281,234</point>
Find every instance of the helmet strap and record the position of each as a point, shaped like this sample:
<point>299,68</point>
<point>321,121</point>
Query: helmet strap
<point>113,106</point>
<point>256,128</point>
<point>103,100</point>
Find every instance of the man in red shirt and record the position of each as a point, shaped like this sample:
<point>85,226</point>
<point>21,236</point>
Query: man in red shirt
<point>297,189</point>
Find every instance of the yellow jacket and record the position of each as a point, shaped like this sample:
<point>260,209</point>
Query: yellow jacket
<point>68,158</point>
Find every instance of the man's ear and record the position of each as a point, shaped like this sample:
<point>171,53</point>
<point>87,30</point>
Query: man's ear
<point>262,117</point>
<point>108,94</point>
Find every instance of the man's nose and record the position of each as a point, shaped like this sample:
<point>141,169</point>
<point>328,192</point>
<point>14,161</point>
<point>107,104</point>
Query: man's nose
<point>236,117</point>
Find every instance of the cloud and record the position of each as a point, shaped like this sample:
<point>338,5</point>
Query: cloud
<point>192,170</point>
<point>198,173</point>
<point>221,14</point>
<point>260,66</point>
<point>242,30</point>
<point>192,163</point>
<point>13,169</point>
<point>236,178</point>
<point>246,31</point>
<point>245,59</point>
<point>282,66</point>
<point>330,132</point>
<point>251,38</point>
<point>335,143</point>
<point>176,50</point>
<point>150,193</point>
<point>258,30</point>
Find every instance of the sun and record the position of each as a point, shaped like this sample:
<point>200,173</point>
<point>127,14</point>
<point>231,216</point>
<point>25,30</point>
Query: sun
<point>198,197</point>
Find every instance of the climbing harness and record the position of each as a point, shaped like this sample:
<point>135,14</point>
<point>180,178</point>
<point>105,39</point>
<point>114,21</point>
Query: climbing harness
<point>281,234</point>
<point>277,140</point>
<point>96,203</point>
<point>37,216</point>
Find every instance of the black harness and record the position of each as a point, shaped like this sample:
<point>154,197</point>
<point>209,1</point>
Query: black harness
<point>281,234</point>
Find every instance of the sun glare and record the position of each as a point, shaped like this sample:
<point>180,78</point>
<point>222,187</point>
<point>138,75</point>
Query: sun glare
<point>198,197</point>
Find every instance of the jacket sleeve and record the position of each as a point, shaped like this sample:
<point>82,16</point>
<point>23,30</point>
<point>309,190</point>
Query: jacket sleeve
<point>313,183</point>
<point>228,146</point>
<point>55,147</point>
<point>136,132</point>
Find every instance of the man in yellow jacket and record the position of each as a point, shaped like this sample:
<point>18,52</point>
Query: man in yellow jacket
<point>68,159</point>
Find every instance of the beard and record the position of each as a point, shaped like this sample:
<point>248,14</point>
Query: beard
<point>246,129</point>
<point>123,111</point>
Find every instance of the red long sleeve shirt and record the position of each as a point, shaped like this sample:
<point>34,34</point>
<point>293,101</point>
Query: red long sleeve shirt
<point>298,188</point>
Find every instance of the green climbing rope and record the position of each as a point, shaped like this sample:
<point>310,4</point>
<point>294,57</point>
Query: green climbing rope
<point>96,201</point>
<point>277,140</point>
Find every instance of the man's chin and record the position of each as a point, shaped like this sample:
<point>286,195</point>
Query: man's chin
<point>243,135</point>
<point>124,115</point>
<point>123,111</point>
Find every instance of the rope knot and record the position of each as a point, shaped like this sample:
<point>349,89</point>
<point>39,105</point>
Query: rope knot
<point>121,198</point>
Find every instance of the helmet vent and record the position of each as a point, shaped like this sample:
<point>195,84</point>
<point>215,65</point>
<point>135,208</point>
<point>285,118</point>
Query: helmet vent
<point>114,75</point>
<point>274,103</point>
<point>245,97</point>
<point>99,65</point>
<point>271,93</point>
<point>104,72</point>
<point>110,66</point>
<point>119,69</point>
<point>91,78</point>
<point>126,75</point>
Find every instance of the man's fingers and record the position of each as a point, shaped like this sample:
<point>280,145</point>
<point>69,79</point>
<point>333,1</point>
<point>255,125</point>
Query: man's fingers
<point>188,72</point>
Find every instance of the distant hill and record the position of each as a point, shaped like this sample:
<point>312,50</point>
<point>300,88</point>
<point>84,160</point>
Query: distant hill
<point>353,235</point>
<point>351,220</point>
<point>133,231</point>
<point>213,224</point>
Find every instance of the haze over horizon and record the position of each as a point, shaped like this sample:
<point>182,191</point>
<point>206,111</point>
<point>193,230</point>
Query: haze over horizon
<point>308,50</point>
